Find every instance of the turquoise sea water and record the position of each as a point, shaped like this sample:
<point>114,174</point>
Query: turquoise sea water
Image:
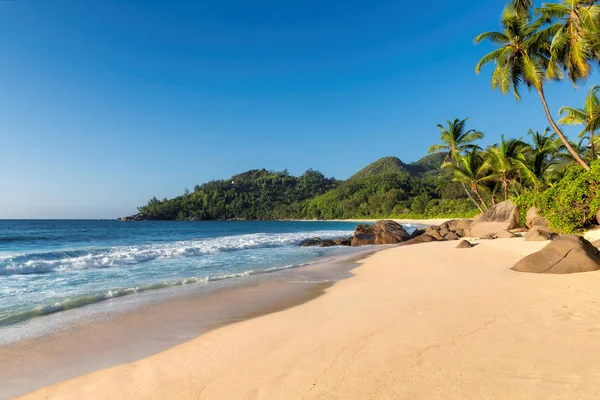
<point>48,266</point>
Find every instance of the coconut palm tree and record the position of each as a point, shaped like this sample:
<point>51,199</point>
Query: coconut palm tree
<point>537,162</point>
<point>455,138</point>
<point>573,27</point>
<point>522,58</point>
<point>470,170</point>
<point>589,116</point>
<point>505,160</point>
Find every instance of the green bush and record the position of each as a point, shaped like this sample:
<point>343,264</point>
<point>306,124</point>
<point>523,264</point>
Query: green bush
<point>570,205</point>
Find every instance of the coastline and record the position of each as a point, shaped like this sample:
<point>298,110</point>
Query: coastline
<point>121,332</point>
<point>423,321</point>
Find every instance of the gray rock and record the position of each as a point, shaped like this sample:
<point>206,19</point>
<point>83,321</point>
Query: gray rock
<point>424,238</point>
<point>503,215</point>
<point>565,255</point>
<point>464,244</point>
<point>533,218</point>
<point>464,224</point>
<point>504,234</point>
<point>451,236</point>
<point>381,232</point>
<point>536,234</point>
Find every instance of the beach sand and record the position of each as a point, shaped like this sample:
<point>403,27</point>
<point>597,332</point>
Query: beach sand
<point>418,322</point>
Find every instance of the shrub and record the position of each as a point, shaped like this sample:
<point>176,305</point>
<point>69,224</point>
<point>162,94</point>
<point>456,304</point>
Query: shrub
<point>571,204</point>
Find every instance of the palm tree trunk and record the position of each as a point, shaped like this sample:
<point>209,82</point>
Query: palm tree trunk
<point>562,137</point>
<point>480,198</point>
<point>592,147</point>
<point>505,187</point>
<point>471,196</point>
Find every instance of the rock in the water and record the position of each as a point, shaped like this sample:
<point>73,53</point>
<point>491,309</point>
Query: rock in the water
<point>536,234</point>
<point>451,236</point>
<point>504,234</point>
<point>464,244</point>
<point>424,238</point>
<point>328,243</point>
<point>311,242</point>
<point>381,232</point>
<point>343,242</point>
<point>503,215</point>
<point>565,255</point>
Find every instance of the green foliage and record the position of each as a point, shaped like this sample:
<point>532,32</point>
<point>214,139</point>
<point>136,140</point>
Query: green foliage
<point>372,193</point>
<point>525,201</point>
<point>570,205</point>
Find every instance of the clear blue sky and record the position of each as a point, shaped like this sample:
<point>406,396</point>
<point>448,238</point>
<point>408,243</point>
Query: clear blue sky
<point>104,104</point>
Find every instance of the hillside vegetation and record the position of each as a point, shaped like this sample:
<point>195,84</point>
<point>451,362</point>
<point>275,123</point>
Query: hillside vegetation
<point>384,188</point>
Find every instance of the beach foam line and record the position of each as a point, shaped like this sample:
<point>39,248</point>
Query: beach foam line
<point>16,316</point>
<point>121,256</point>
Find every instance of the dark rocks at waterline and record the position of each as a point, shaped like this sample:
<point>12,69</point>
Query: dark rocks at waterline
<point>565,255</point>
<point>318,242</point>
<point>381,232</point>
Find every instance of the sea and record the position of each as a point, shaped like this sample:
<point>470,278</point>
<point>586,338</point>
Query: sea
<point>54,266</point>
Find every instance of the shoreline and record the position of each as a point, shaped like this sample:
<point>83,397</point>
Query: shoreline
<point>111,338</point>
<point>423,321</point>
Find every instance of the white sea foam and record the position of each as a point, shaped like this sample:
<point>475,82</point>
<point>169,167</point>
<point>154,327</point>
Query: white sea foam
<point>122,256</point>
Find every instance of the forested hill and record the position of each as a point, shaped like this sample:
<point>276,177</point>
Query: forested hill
<point>385,188</point>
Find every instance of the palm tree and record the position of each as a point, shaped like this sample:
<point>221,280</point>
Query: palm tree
<point>470,170</point>
<point>505,160</point>
<point>537,162</point>
<point>589,116</point>
<point>455,138</point>
<point>522,58</point>
<point>572,42</point>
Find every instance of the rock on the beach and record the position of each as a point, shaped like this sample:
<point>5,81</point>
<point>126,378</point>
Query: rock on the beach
<point>451,236</point>
<point>565,255</point>
<point>533,218</point>
<point>417,232</point>
<point>503,215</point>
<point>318,242</point>
<point>424,238</point>
<point>464,244</point>
<point>537,234</point>
<point>464,224</point>
<point>381,232</point>
<point>434,231</point>
<point>504,234</point>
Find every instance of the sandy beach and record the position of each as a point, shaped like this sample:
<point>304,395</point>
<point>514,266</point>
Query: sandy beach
<point>418,322</point>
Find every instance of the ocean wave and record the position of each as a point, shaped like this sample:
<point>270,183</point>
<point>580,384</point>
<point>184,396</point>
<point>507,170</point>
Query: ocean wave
<point>123,256</point>
<point>16,316</point>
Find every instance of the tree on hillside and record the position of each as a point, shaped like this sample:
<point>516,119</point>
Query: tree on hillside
<point>523,57</point>
<point>589,116</point>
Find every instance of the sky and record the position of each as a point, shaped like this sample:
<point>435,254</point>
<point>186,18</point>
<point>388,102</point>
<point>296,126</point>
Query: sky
<point>105,104</point>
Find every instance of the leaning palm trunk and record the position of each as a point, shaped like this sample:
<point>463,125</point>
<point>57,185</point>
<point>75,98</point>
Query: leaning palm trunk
<point>562,137</point>
<point>471,197</point>
<point>479,196</point>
